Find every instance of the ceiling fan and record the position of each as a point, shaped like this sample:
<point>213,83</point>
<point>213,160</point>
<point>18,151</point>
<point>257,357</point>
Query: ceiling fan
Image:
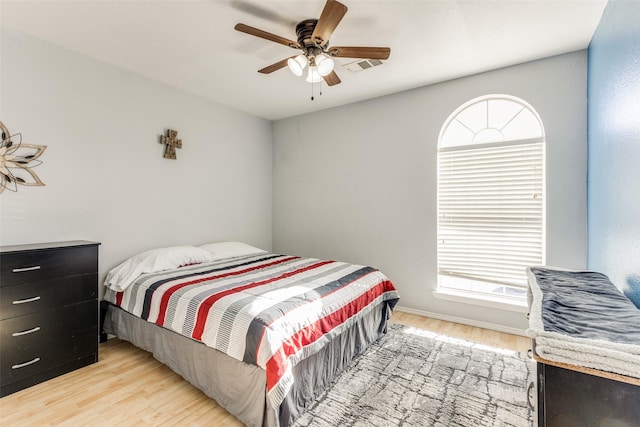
<point>313,40</point>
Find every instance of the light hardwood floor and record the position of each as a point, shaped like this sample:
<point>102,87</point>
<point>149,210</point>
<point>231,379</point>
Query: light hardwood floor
<point>128,387</point>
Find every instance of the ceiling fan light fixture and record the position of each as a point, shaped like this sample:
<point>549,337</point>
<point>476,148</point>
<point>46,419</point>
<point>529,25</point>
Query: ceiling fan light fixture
<point>313,76</point>
<point>297,64</point>
<point>313,37</point>
<point>325,64</point>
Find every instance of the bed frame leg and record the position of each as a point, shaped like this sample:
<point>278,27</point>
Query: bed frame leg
<point>104,305</point>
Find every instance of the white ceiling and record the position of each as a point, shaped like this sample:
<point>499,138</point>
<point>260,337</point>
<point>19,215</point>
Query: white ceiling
<point>192,44</point>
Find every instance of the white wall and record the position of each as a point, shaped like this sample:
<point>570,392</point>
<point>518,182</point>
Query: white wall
<point>366,192</point>
<point>106,179</point>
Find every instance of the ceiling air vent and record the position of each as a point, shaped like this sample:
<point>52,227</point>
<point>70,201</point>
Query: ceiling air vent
<point>362,64</point>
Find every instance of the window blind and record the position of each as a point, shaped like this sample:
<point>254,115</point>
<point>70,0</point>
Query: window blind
<point>490,211</point>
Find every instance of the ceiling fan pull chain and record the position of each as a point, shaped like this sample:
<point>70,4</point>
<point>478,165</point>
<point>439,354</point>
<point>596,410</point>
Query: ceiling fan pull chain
<point>312,91</point>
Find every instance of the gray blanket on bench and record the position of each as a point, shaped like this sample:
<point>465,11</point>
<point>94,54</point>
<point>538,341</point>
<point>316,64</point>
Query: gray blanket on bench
<point>581,318</point>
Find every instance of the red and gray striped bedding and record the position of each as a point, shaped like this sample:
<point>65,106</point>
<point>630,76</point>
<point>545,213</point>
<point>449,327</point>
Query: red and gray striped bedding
<point>268,310</point>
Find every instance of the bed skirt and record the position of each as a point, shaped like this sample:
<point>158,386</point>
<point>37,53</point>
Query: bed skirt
<point>240,387</point>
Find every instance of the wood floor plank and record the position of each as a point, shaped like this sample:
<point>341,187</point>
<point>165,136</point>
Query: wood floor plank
<point>465,332</point>
<point>128,387</point>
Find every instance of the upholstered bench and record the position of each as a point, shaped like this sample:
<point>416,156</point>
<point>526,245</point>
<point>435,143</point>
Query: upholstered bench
<point>586,342</point>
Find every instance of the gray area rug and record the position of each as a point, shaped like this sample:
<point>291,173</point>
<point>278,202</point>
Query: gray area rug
<point>412,377</point>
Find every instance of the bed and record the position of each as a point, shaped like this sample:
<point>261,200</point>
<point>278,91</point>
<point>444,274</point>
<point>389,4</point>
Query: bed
<point>261,333</point>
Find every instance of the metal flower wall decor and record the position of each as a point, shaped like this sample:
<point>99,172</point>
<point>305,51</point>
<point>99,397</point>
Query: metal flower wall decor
<point>16,161</point>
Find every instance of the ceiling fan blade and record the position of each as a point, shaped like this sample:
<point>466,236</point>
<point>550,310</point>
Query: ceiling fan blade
<point>331,16</point>
<point>360,52</point>
<point>262,12</point>
<point>265,35</point>
<point>332,79</point>
<point>275,67</point>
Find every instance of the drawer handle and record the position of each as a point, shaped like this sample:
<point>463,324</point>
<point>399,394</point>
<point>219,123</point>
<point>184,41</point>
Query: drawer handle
<point>24,301</point>
<point>22,365</point>
<point>21,270</point>
<point>28,331</point>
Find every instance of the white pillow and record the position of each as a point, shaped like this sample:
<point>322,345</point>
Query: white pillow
<point>224,250</point>
<point>120,277</point>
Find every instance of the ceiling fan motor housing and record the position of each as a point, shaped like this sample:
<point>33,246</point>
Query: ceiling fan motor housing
<point>304,31</point>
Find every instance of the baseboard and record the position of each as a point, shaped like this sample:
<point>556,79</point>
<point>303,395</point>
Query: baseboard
<point>470,322</point>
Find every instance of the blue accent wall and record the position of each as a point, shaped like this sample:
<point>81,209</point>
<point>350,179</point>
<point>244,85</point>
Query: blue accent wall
<point>614,146</point>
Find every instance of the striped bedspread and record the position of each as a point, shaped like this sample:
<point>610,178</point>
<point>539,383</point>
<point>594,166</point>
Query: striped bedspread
<point>268,310</point>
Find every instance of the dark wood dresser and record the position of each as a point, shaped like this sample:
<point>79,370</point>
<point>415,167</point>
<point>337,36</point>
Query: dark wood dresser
<point>48,311</point>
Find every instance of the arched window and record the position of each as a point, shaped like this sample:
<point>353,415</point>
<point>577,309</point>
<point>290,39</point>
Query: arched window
<point>490,197</point>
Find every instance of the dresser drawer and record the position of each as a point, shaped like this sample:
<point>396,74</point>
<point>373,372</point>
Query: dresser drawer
<point>18,300</point>
<point>46,327</point>
<point>41,265</point>
<point>40,341</point>
<point>74,346</point>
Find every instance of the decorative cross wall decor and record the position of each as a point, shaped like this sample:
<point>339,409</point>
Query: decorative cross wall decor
<point>171,143</point>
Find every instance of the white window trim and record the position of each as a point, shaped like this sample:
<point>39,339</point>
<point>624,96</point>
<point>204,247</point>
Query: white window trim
<point>492,144</point>
<point>484,300</point>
